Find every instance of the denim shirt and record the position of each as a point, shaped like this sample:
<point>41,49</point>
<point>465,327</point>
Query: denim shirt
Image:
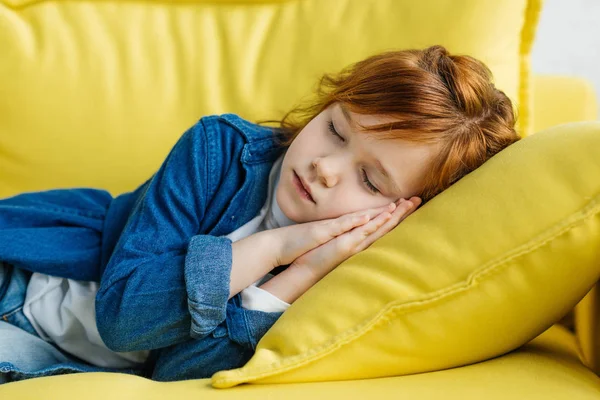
<point>165,263</point>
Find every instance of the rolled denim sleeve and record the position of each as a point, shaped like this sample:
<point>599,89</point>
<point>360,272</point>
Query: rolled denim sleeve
<point>163,280</point>
<point>207,274</point>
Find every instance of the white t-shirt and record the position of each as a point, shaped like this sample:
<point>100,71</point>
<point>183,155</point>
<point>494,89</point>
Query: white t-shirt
<point>62,311</point>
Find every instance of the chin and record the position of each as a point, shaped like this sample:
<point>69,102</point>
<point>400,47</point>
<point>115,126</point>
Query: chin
<point>295,220</point>
<point>294,217</point>
<point>284,207</point>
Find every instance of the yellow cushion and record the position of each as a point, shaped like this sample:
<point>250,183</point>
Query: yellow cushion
<point>95,93</point>
<point>557,100</point>
<point>478,271</point>
<point>587,326</point>
<point>546,368</point>
<point>561,99</point>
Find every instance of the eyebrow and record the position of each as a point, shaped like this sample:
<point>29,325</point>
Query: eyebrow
<point>391,184</point>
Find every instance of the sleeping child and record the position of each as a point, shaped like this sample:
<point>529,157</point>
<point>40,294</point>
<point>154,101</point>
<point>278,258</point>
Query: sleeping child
<point>181,277</point>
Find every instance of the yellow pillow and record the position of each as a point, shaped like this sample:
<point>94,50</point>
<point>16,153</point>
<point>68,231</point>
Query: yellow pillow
<point>479,270</point>
<point>101,90</point>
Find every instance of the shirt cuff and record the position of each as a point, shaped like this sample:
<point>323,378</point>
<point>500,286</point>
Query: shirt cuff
<point>255,298</point>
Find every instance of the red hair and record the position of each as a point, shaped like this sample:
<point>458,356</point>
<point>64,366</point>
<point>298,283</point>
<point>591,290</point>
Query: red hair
<point>432,96</point>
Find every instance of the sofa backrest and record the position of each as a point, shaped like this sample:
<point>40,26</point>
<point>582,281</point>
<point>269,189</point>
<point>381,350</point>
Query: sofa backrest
<point>95,93</point>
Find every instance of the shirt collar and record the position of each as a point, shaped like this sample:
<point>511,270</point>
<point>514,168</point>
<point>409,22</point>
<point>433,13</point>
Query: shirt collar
<point>262,144</point>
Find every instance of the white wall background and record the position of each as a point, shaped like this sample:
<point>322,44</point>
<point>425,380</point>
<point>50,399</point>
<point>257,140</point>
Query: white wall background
<point>568,40</point>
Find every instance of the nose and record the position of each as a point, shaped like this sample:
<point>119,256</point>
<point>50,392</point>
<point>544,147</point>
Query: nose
<point>325,173</point>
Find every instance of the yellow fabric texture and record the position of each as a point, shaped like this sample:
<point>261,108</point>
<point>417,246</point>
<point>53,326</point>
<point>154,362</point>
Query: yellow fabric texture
<point>587,325</point>
<point>95,93</point>
<point>562,99</point>
<point>479,270</point>
<point>546,368</point>
<point>558,100</point>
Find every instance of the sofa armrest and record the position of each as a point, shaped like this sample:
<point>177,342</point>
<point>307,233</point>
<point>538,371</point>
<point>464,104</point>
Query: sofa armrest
<point>587,328</point>
<point>561,99</point>
<point>557,100</point>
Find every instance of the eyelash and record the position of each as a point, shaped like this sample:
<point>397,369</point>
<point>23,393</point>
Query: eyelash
<point>365,178</point>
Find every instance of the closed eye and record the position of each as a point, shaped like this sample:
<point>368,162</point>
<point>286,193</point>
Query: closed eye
<point>364,176</point>
<point>333,131</point>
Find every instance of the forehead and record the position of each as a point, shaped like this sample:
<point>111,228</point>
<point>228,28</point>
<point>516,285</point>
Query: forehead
<point>356,120</point>
<point>406,162</point>
<point>352,123</point>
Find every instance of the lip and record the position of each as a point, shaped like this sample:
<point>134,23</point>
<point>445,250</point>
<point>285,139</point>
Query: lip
<point>305,186</point>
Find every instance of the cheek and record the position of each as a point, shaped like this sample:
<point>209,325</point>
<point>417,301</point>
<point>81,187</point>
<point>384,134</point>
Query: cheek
<point>360,200</point>
<point>299,145</point>
<point>347,203</point>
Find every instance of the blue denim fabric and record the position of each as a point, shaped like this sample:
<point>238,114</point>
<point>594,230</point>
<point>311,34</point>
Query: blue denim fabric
<point>23,354</point>
<point>13,287</point>
<point>158,252</point>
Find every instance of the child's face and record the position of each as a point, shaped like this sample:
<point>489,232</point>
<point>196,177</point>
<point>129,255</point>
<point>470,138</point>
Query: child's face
<point>333,168</point>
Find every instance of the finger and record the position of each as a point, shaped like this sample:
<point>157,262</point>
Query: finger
<point>404,210</point>
<point>361,232</point>
<point>347,224</point>
<point>378,234</point>
<point>350,221</point>
<point>415,200</point>
<point>316,233</point>
<point>347,244</point>
<point>373,212</point>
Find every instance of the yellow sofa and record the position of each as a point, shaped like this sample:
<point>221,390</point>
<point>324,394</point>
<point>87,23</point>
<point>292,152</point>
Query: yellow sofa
<point>94,93</point>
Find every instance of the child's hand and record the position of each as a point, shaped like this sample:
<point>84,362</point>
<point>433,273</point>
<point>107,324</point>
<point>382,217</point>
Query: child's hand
<point>321,260</point>
<point>356,231</point>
